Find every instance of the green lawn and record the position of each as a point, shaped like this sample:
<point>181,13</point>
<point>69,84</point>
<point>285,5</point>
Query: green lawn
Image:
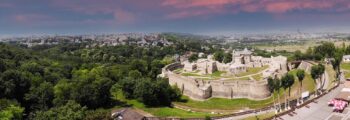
<point>347,75</point>
<point>258,77</point>
<point>190,74</point>
<point>227,104</point>
<point>260,117</point>
<point>345,66</point>
<point>161,111</point>
<point>244,78</point>
<point>252,71</point>
<point>217,73</point>
<point>178,70</point>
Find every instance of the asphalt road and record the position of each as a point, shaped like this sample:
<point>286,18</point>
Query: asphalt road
<point>318,110</point>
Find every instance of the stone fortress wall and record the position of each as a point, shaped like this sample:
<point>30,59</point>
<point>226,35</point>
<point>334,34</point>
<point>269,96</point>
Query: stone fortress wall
<point>203,89</point>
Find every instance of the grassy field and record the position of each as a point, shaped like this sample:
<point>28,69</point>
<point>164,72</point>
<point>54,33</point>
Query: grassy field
<point>243,78</point>
<point>160,111</point>
<point>228,104</point>
<point>260,117</point>
<point>301,46</point>
<point>345,66</point>
<point>252,71</point>
<point>258,76</point>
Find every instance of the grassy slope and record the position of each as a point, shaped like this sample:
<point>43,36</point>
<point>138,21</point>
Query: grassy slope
<point>332,75</point>
<point>160,111</point>
<point>258,76</point>
<point>225,104</point>
<point>308,83</point>
<point>260,117</point>
<point>252,71</point>
<point>345,66</point>
<point>229,104</point>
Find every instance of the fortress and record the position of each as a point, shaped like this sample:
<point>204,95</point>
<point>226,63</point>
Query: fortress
<point>202,89</point>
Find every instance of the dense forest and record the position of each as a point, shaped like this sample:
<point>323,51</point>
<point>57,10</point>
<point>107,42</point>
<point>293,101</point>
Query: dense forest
<point>73,82</point>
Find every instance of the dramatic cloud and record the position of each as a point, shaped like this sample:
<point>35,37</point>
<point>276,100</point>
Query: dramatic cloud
<point>30,18</point>
<point>124,16</point>
<point>96,7</point>
<point>188,8</point>
<point>169,14</point>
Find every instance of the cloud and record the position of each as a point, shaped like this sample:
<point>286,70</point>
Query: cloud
<point>185,8</point>
<point>97,7</point>
<point>30,18</point>
<point>124,17</point>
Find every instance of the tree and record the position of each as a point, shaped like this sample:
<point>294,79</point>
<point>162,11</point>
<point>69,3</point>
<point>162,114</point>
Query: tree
<point>326,49</point>
<point>271,84</point>
<point>14,84</point>
<point>287,82</point>
<point>193,58</point>
<point>146,92</point>
<point>92,93</point>
<point>298,55</point>
<point>10,110</point>
<point>62,92</point>
<point>219,56</point>
<point>2,66</point>
<point>277,86</point>
<point>300,75</point>
<point>139,65</point>
<point>41,97</point>
<point>135,74</point>
<point>99,114</point>
<point>336,63</point>
<point>128,86</point>
<point>316,72</point>
<point>227,58</point>
<point>70,111</point>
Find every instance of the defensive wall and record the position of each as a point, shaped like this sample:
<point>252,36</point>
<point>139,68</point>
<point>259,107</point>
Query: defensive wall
<point>203,89</point>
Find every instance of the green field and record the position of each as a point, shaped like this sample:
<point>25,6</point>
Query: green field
<point>225,104</point>
<point>228,104</point>
<point>160,111</point>
<point>299,46</point>
<point>345,66</point>
<point>252,71</point>
<point>258,76</point>
<point>260,117</point>
<point>243,78</point>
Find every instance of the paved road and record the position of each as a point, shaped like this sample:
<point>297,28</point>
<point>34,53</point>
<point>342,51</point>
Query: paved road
<point>318,110</point>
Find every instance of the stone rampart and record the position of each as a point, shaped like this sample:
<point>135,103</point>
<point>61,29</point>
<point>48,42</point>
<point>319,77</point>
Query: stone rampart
<point>203,89</point>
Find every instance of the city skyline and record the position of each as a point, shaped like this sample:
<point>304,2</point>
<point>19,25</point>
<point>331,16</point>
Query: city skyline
<point>187,16</point>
